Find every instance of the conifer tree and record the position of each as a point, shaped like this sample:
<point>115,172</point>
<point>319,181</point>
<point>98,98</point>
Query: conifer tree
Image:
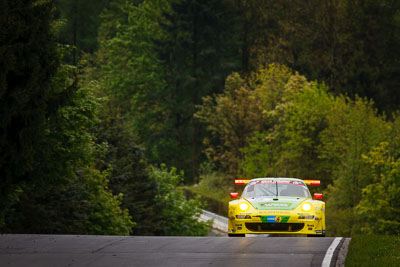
<point>81,20</point>
<point>199,51</point>
<point>28,61</point>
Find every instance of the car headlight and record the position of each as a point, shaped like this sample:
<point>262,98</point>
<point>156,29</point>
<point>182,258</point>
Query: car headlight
<point>243,207</point>
<point>306,207</point>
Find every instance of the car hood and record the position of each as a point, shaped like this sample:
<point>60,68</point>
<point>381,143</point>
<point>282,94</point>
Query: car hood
<point>268,203</point>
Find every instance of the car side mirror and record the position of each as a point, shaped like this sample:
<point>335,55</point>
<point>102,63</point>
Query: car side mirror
<point>317,195</point>
<point>234,195</point>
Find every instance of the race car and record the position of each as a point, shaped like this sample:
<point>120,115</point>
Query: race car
<point>276,206</point>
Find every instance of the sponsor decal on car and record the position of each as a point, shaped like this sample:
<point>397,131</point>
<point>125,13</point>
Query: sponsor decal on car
<point>275,211</point>
<point>274,219</point>
<point>271,204</point>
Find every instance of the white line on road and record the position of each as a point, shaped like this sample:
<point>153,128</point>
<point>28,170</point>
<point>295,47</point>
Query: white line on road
<point>329,253</point>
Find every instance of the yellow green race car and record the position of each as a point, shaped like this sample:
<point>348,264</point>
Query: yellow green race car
<point>276,206</point>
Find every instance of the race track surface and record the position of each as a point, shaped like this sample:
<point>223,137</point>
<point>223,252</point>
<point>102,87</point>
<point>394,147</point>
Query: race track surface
<point>68,250</point>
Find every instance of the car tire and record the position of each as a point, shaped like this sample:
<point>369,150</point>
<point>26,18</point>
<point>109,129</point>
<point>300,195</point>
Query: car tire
<point>236,235</point>
<point>323,235</point>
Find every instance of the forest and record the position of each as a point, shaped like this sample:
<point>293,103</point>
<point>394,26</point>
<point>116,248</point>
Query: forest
<point>109,108</point>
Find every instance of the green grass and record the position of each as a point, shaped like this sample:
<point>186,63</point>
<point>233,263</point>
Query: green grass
<point>373,250</point>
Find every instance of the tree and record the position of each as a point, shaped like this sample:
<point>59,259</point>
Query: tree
<point>198,52</point>
<point>294,142</point>
<point>243,109</point>
<point>132,76</point>
<point>136,114</point>
<point>28,62</point>
<point>81,20</point>
<point>354,128</point>
<point>352,46</point>
<point>379,209</point>
<point>127,167</point>
<point>178,216</point>
<point>164,57</point>
<point>254,24</point>
<point>230,117</point>
<point>66,193</point>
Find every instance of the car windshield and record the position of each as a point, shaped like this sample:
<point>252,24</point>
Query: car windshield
<point>268,188</point>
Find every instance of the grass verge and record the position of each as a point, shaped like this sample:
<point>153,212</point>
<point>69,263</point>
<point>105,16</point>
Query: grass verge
<point>373,250</point>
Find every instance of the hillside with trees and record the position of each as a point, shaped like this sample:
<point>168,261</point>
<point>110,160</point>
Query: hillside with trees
<point>108,108</point>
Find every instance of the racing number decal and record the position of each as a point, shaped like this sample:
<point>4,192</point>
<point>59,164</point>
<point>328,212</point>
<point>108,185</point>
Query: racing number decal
<point>278,219</point>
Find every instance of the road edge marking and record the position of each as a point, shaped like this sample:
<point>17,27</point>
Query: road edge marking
<point>329,253</point>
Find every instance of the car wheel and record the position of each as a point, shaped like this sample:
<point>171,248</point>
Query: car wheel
<point>323,235</point>
<point>236,235</point>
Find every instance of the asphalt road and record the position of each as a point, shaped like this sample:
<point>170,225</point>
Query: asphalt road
<point>52,250</point>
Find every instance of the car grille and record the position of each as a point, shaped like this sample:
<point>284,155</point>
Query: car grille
<point>274,227</point>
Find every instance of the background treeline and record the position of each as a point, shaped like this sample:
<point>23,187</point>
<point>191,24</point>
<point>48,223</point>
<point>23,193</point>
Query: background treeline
<point>69,163</point>
<point>277,123</point>
<point>217,88</point>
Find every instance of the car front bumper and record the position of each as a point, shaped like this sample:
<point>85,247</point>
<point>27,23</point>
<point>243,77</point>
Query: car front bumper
<point>276,223</point>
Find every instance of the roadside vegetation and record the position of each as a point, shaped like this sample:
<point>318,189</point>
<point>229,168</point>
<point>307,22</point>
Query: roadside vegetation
<point>109,108</point>
<point>373,250</point>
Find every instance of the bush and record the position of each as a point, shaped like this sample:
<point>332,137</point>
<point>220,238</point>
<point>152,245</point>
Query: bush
<point>178,216</point>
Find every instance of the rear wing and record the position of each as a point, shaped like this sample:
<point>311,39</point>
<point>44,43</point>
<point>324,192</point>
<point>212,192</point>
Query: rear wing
<point>307,182</point>
<point>242,181</point>
<point>312,182</point>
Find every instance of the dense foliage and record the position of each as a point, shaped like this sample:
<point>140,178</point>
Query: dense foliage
<point>219,89</point>
<point>28,62</point>
<point>70,163</point>
<point>309,133</point>
<point>178,216</point>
